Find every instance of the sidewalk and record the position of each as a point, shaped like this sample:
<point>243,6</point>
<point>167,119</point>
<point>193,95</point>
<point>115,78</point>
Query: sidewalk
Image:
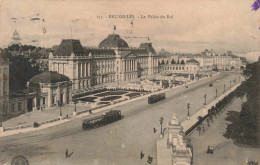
<point>164,156</point>
<point>194,118</point>
<point>40,116</point>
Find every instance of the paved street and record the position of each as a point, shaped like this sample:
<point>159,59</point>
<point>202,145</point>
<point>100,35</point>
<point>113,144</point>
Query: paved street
<point>117,143</point>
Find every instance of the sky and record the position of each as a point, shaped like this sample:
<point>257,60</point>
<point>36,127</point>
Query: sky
<point>193,25</point>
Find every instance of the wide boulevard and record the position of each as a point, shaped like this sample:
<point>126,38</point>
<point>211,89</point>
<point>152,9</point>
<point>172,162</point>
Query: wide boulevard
<point>119,143</point>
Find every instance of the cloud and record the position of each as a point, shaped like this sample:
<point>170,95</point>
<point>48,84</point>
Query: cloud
<point>196,25</point>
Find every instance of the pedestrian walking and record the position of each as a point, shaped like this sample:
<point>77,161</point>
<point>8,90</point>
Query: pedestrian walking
<point>154,130</point>
<point>141,155</point>
<point>150,159</point>
<point>67,153</point>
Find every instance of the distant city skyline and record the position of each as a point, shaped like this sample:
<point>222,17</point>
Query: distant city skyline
<point>192,26</point>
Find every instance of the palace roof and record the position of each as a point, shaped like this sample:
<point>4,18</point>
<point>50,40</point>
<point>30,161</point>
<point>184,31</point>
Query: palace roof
<point>113,41</point>
<point>69,46</point>
<point>49,77</point>
<point>148,47</point>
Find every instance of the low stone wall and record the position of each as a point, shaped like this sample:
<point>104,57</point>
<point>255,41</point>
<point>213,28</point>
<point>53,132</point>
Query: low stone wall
<point>30,125</point>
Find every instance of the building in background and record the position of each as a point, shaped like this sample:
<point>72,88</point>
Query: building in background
<point>208,61</point>
<point>16,40</point>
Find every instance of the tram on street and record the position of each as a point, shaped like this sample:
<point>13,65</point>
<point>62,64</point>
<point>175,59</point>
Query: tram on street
<point>102,120</point>
<point>156,97</point>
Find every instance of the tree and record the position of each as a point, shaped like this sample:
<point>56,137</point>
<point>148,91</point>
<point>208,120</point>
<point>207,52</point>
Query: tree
<point>162,62</point>
<point>211,118</point>
<point>200,119</point>
<point>178,61</point>
<point>199,129</point>
<point>21,70</point>
<point>182,62</point>
<point>173,62</point>
<point>208,121</point>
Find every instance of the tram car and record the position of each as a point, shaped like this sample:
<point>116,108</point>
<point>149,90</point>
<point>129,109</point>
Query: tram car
<point>102,120</point>
<point>155,98</point>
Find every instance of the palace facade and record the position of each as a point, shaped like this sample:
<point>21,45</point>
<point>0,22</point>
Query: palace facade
<point>113,60</point>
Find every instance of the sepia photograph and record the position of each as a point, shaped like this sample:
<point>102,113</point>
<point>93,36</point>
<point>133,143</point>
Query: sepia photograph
<point>119,82</point>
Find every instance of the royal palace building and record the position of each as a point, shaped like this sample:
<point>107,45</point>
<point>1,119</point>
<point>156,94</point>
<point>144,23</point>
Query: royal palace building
<point>112,61</point>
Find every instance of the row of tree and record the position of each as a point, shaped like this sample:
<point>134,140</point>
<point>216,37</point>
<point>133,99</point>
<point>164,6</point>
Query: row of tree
<point>244,127</point>
<point>21,70</point>
<point>216,110</point>
<point>172,62</point>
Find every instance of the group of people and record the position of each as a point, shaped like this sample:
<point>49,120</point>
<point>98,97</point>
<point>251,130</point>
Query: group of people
<point>150,158</point>
<point>210,149</point>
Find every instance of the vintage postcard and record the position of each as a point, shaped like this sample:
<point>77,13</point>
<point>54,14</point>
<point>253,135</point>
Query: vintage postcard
<point>110,82</point>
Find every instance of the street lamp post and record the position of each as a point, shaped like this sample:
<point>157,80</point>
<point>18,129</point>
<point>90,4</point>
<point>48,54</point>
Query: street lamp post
<point>161,122</point>
<point>216,93</point>
<point>230,83</point>
<point>224,88</point>
<point>75,109</point>
<point>59,104</point>
<point>188,107</point>
<point>1,127</point>
<point>205,97</point>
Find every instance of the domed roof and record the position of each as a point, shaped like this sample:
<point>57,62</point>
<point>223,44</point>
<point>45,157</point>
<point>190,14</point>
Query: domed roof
<point>192,61</point>
<point>113,41</point>
<point>49,77</point>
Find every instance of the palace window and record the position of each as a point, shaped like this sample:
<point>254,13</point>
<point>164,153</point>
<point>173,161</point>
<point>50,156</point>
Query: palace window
<point>4,88</point>
<point>43,100</point>
<point>53,99</point>
<point>12,108</point>
<point>19,106</point>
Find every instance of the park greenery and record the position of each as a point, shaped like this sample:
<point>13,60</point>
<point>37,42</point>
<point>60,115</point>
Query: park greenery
<point>22,67</point>
<point>243,127</point>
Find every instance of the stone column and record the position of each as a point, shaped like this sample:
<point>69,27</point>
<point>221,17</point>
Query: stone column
<point>79,70</point>
<point>49,97</point>
<point>83,69</point>
<point>70,94</point>
<point>89,69</point>
<point>65,95</point>
<point>86,69</point>
<point>35,103</point>
<point>58,95</point>
<point>128,66</point>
